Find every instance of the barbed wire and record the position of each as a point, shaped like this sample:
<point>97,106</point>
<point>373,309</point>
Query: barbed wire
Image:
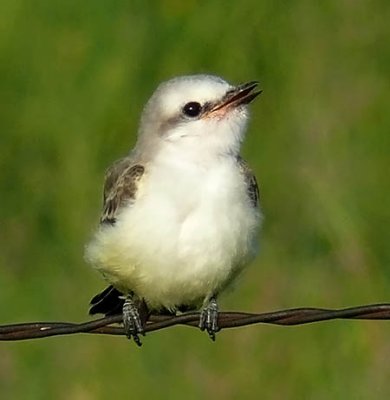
<point>287,317</point>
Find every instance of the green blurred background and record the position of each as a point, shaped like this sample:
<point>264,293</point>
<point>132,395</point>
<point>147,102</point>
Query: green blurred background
<point>74,77</point>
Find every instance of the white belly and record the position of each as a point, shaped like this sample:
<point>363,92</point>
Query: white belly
<point>188,234</point>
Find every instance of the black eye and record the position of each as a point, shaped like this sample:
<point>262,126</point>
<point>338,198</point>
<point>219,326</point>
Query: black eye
<point>192,109</point>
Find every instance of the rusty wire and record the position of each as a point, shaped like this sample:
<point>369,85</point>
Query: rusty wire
<point>288,317</point>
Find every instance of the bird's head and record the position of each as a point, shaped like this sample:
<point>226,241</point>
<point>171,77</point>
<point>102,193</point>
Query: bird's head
<point>197,114</point>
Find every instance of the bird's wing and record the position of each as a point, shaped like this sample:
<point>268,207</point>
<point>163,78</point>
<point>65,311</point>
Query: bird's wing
<point>120,187</point>
<point>250,180</point>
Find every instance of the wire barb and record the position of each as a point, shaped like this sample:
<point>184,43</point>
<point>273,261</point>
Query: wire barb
<point>288,317</point>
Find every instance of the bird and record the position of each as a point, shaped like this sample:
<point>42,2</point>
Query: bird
<point>181,214</point>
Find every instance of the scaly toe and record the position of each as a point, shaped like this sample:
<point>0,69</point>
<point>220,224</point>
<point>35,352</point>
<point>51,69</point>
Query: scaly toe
<point>209,318</point>
<point>131,321</point>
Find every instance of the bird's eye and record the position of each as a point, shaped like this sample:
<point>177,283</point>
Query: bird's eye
<point>192,109</point>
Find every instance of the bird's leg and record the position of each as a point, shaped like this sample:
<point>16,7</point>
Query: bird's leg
<point>132,322</point>
<point>209,317</point>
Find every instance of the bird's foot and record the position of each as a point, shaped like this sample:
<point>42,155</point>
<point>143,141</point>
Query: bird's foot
<point>209,318</point>
<point>132,322</point>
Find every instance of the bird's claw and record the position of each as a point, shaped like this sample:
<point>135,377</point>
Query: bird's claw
<point>209,318</point>
<point>132,321</point>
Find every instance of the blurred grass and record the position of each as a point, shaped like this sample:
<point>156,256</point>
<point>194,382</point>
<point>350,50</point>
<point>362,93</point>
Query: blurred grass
<point>74,78</point>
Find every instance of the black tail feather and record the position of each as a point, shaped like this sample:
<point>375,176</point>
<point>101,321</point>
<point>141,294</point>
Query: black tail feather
<point>108,302</point>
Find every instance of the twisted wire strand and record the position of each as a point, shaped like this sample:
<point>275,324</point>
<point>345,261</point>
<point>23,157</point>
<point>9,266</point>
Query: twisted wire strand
<point>106,325</point>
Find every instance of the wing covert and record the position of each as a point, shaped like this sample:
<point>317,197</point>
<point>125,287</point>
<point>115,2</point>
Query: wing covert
<point>120,187</point>
<point>250,180</point>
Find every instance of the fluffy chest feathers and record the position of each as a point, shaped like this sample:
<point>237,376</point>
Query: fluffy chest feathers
<point>189,231</point>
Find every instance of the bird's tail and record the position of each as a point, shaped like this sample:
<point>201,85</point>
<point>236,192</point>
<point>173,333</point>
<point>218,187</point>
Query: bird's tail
<point>108,302</point>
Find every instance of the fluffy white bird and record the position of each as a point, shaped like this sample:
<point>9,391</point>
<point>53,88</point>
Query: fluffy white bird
<point>181,211</point>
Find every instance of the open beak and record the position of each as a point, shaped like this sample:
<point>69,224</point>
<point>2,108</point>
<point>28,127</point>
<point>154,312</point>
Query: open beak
<point>242,94</point>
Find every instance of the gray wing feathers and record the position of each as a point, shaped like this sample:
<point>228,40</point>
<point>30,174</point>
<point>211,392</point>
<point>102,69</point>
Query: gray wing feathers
<point>250,180</point>
<point>120,187</point>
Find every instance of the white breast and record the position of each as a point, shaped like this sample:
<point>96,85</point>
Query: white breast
<point>189,232</point>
